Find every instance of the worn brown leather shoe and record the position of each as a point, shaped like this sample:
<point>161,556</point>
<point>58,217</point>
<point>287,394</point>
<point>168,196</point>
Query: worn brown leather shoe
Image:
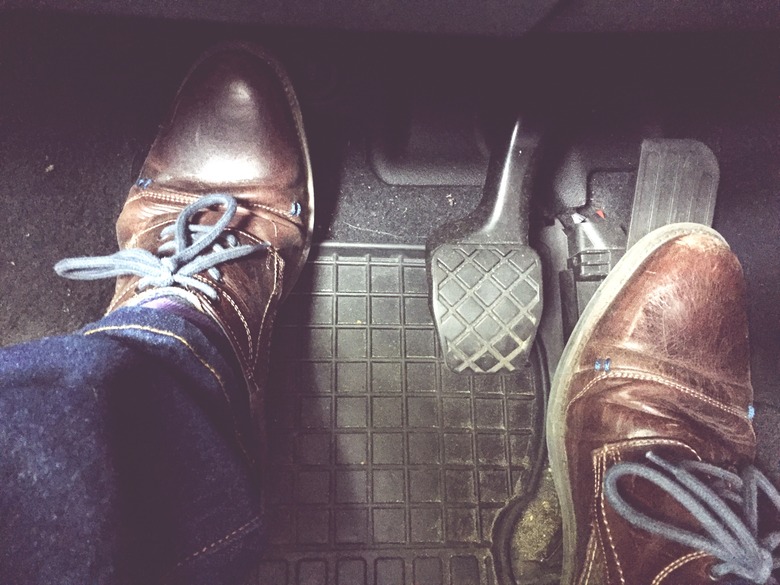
<point>649,423</point>
<point>222,213</point>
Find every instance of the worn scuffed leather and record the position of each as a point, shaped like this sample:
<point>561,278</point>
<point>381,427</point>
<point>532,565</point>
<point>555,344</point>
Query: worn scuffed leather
<point>679,385</point>
<point>235,127</point>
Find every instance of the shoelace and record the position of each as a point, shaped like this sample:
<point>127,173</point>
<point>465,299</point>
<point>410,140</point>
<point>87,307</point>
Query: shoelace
<point>731,538</point>
<point>193,249</point>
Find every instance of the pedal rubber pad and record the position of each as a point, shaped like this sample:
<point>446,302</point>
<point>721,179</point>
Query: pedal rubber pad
<point>677,181</point>
<point>485,280</point>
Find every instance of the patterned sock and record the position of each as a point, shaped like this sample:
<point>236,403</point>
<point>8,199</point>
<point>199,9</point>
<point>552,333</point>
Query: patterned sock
<point>179,306</point>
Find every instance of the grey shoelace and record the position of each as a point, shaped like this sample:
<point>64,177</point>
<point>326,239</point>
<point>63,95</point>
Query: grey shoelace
<point>729,537</point>
<point>193,249</point>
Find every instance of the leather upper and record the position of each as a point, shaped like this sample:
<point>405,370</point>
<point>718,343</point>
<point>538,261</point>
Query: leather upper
<point>235,128</point>
<point>678,385</point>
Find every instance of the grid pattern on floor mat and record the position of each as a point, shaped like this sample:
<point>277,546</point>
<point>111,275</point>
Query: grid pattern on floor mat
<point>386,467</point>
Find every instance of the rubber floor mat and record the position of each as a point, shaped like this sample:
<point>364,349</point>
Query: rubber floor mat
<point>386,468</point>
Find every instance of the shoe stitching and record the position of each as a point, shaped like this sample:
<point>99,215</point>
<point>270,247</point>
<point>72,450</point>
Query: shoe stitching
<point>227,294</point>
<point>658,379</point>
<point>249,236</point>
<point>277,282</point>
<point>157,226</point>
<point>690,557</point>
<point>185,199</point>
<point>649,442</point>
<point>695,393</point>
<point>237,532</point>
<point>119,296</point>
<point>148,229</point>
<point>616,452</point>
<point>592,544</point>
<point>208,366</point>
<point>606,522</point>
<point>590,555</point>
<point>235,342</point>
<point>595,520</point>
<point>237,309</point>
<point>249,359</point>
<point>599,464</point>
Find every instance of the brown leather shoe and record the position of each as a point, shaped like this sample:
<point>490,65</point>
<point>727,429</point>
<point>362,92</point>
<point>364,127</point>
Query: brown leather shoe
<point>648,411</point>
<point>227,184</point>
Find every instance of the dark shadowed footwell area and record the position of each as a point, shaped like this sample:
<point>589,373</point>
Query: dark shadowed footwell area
<point>393,458</point>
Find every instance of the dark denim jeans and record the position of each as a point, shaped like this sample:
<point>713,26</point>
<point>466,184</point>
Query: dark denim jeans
<point>125,456</point>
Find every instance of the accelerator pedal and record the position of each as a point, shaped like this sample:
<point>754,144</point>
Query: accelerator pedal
<point>677,181</point>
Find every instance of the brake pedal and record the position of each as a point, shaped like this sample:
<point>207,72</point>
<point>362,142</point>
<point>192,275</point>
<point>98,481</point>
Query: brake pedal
<point>485,281</point>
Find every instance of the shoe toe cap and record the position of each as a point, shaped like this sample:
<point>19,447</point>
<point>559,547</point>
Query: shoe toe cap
<point>685,305</point>
<point>232,125</point>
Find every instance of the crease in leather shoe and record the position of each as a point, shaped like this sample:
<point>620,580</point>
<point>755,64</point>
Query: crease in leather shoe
<point>659,363</point>
<point>222,213</point>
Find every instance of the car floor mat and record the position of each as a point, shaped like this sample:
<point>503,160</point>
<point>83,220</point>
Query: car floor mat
<point>385,467</point>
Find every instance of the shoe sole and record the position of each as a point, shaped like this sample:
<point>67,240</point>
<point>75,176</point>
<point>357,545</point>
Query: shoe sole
<point>624,270</point>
